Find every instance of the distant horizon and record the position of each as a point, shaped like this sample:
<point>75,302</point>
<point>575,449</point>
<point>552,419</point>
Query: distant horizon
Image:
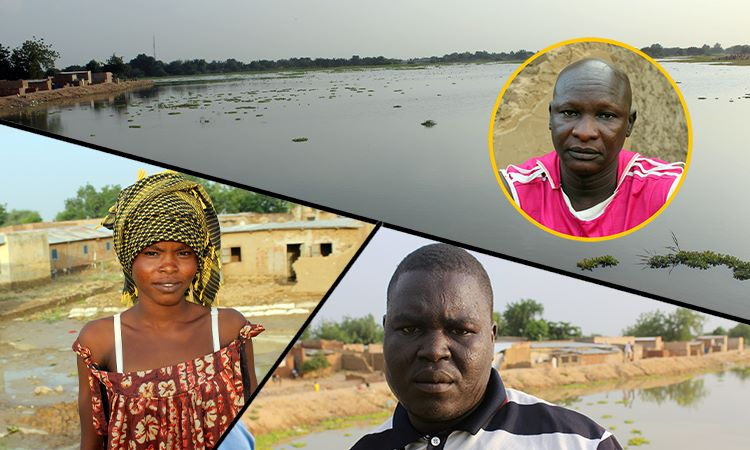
<point>263,29</point>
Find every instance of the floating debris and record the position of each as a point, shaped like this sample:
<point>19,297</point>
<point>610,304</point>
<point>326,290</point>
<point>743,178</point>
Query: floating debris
<point>429,123</point>
<point>397,106</point>
<point>300,139</point>
<point>638,440</point>
<point>599,261</point>
<point>701,98</point>
<point>134,126</point>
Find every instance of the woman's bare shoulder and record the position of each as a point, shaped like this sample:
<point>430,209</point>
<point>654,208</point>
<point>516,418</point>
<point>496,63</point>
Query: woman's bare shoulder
<point>231,322</point>
<point>98,337</point>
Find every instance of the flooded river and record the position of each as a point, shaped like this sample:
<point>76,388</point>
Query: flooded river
<point>360,148</point>
<point>698,413</point>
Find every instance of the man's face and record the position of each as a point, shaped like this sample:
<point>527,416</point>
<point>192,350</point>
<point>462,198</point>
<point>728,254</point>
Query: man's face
<point>438,345</point>
<point>590,118</point>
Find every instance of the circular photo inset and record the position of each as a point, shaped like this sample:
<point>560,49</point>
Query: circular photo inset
<point>590,139</point>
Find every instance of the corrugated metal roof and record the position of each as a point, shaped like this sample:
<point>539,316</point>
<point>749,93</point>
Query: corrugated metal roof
<point>76,233</point>
<point>577,347</point>
<point>302,225</point>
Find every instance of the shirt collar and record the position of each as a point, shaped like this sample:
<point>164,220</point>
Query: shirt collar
<point>494,398</point>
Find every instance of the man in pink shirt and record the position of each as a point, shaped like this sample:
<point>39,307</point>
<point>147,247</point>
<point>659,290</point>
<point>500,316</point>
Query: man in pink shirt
<point>589,186</point>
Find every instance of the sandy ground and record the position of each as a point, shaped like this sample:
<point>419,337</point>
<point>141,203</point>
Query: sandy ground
<point>38,380</point>
<point>295,404</point>
<point>11,104</point>
<point>521,124</point>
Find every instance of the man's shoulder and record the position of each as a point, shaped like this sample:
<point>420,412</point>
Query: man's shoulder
<point>374,439</point>
<point>531,417</point>
<point>653,169</point>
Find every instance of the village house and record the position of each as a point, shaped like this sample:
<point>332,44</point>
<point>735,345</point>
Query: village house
<point>24,259</point>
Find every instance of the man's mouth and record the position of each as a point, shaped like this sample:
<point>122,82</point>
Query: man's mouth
<point>583,154</point>
<point>433,382</point>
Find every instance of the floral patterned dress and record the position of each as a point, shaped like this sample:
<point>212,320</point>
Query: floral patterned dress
<point>186,406</point>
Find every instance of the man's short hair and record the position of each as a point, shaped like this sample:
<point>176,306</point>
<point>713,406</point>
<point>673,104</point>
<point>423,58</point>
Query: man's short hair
<point>442,258</point>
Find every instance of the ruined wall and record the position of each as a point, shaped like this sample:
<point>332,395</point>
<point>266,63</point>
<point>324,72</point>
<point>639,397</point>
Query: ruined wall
<point>736,343</point>
<point>519,355</point>
<point>27,258</point>
<point>265,252</point>
<point>355,363</point>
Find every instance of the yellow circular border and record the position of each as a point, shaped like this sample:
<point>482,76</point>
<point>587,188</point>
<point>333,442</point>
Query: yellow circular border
<point>674,87</point>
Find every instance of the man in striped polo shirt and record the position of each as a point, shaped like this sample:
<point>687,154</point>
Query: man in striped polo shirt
<point>438,348</point>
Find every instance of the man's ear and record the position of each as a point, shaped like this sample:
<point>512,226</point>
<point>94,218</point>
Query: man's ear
<point>494,331</point>
<point>631,121</point>
<point>549,122</point>
<point>383,320</point>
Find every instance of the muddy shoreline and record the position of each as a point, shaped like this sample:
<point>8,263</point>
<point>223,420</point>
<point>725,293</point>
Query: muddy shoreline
<point>13,104</point>
<point>295,405</point>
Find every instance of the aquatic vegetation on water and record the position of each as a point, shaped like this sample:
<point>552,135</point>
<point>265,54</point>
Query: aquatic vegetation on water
<point>636,441</point>
<point>696,260</point>
<point>300,139</point>
<point>598,261</point>
<point>429,123</point>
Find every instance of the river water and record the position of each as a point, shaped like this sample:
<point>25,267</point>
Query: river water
<point>366,153</point>
<point>698,413</point>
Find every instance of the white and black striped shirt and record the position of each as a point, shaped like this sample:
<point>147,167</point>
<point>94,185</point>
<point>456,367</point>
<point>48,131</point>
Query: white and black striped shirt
<point>506,419</point>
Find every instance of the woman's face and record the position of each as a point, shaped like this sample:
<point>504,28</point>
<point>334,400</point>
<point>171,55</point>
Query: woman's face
<point>163,272</point>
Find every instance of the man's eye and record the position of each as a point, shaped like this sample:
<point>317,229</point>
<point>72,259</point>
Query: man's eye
<point>460,332</point>
<point>569,113</point>
<point>408,330</point>
<point>607,116</point>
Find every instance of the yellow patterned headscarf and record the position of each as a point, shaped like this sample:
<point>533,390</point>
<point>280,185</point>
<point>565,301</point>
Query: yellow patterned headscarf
<point>167,207</point>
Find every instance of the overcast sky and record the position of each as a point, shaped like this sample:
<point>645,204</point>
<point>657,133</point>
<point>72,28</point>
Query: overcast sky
<point>273,29</point>
<point>596,309</point>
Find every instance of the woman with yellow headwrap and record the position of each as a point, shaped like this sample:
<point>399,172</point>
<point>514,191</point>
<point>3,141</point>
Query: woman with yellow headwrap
<point>170,372</point>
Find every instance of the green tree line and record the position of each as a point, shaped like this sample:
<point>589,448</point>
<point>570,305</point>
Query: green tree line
<point>658,51</point>
<point>90,203</point>
<point>524,319</point>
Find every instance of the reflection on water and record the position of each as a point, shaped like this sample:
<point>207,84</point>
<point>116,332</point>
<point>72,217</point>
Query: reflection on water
<point>687,394</point>
<point>363,128</point>
<point>707,411</point>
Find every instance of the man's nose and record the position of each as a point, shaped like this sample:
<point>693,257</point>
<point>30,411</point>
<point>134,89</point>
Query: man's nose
<point>434,347</point>
<point>586,128</point>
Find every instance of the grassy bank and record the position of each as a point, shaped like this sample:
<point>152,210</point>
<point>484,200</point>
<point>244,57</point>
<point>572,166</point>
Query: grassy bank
<point>274,438</point>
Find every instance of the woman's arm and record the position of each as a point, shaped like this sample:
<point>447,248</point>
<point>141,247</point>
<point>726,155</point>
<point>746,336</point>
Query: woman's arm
<point>231,322</point>
<point>251,365</point>
<point>90,439</point>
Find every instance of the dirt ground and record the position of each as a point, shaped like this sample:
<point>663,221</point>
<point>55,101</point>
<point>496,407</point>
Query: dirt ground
<point>14,103</point>
<point>294,404</point>
<point>38,379</point>
<point>521,124</point>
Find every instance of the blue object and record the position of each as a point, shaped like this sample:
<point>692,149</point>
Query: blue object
<point>239,438</point>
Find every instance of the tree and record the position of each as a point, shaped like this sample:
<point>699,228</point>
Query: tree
<point>741,330</point>
<point>89,203</point>
<point>117,66</point>
<point>648,324</point>
<point>719,331</point>
<point>21,216</point>
<point>363,330</point>
<point>33,58</point>
<point>522,319</point>
<point>3,214</point>
<point>681,325</point>
<point>229,200</point>
<point>94,66</point>
<point>6,68</point>
<point>563,330</point>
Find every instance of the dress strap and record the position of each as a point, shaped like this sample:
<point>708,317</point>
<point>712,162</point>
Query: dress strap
<point>215,328</point>
<point>118,343</point>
